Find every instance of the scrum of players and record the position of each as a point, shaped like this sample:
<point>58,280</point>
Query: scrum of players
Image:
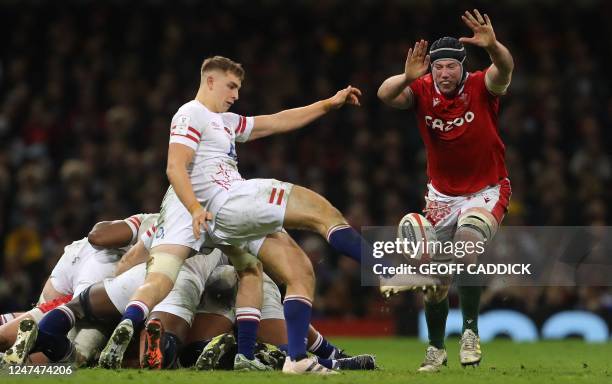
<point>190,295</point>
<point>192,327</point>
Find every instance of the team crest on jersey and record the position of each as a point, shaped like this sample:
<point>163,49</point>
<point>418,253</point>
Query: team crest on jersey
<point>436,101</point>
<point>215,125</point>
<point>182,125</point>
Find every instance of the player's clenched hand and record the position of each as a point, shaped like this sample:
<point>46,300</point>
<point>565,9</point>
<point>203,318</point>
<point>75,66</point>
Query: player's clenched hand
<point>484,36</point>
<point>199,218</point>
<point>348,95</point>
<point>417,61</point>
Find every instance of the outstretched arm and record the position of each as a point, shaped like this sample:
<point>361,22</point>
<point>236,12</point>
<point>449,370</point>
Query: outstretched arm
<point>110,234</point>
<point>291,119</point>
<point>499,74</point>
<point>394,91</point>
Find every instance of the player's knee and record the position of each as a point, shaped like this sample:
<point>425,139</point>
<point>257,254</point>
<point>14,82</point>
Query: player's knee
<point>437,295</point>
<point>476,223</point>
<point>164,264</point>
<point>328,217</point>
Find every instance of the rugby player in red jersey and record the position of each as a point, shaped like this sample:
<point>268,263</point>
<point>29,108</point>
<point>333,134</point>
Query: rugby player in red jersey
<point>468,189</point>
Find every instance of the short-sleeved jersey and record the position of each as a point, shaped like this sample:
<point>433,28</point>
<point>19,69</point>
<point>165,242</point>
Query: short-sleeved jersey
<point>213,137</point>
<point>464,150</point>
<point>139,223</point>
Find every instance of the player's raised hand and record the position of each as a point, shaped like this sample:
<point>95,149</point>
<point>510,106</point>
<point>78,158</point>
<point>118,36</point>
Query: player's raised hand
<point>348,95</point>
<point>481,26</point>
<point>199,218</point>
<point>417,61</point>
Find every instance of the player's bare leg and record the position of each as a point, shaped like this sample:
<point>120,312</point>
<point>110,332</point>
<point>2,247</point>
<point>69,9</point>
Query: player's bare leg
<point>163,266</point>
<point>287,263</point>
<point>474,225</point>
<point>310,211</point>
<point>248,307</point>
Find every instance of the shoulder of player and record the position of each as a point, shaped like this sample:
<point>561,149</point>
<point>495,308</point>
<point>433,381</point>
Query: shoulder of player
<point>200,116</point>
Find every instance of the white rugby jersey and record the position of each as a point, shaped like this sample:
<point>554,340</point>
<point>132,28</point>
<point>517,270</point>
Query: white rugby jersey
<point>213,137</point>
<point>140,223</point>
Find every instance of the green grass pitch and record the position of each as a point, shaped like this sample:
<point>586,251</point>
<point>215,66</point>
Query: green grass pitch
<point>503,362</point>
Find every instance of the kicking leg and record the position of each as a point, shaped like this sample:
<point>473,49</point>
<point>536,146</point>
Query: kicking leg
<point>310,211</point>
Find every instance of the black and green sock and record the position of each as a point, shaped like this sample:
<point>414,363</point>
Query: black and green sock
<point>469,300</point>
<point>435,316</point>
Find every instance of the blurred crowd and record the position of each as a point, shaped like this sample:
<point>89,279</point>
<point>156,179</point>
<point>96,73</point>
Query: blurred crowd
<point>87,91</point>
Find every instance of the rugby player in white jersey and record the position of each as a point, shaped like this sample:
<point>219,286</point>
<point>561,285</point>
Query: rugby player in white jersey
<point>103,303</point>
<point>208,192</point>
<point>83,263</point>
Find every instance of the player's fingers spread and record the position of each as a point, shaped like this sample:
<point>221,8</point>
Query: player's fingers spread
<point>427,60</point>
<point>478,16</point>
<point>487,20</point>
<point>421,47</point>
<point>468,22</point>
<point>417,48</point>
<point>471,18</point>
<point>356,91</point>
<point>467,16</point>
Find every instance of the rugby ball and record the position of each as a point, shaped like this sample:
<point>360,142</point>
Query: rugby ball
<point>418,233</point>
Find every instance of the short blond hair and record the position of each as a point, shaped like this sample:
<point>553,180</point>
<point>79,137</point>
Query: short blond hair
<point>223,64</point>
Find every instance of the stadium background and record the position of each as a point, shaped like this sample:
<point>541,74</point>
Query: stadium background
<point>87,91</point>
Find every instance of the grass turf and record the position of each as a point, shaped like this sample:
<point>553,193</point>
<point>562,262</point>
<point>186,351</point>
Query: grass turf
<point>503,362</point>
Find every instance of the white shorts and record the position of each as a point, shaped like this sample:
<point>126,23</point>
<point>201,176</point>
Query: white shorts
<point>220,295</point>
<point>443,211</point>
<point>254,209</point>
<point>174,225</point>
<point>184,297</point>
<point>80,266</point>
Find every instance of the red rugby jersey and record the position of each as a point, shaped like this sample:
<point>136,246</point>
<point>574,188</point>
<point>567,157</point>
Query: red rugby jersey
<point>464,150</point>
